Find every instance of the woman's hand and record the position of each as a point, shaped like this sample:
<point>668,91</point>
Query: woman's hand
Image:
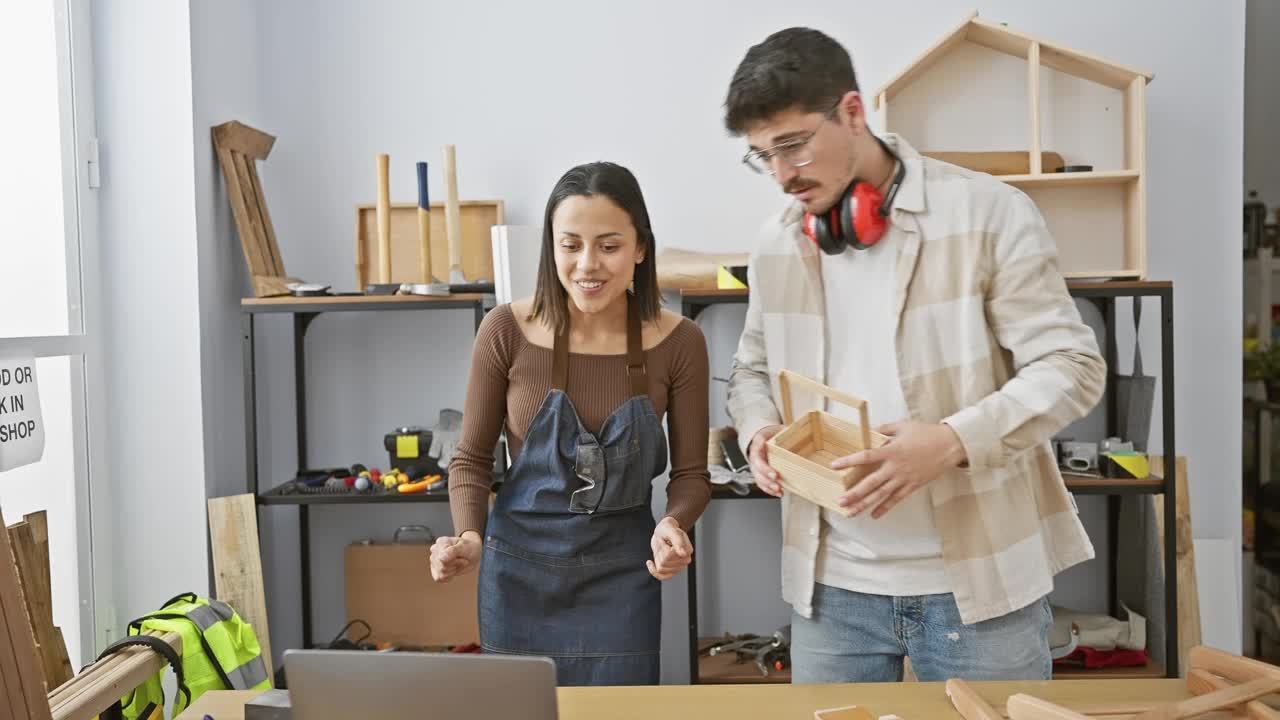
<point>453,556</point>
<point>672,551</point>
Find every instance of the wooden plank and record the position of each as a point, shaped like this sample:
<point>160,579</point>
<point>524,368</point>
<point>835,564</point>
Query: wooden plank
<point>24,686</point>
<point>254,214</point>
<point>237,563</point>
<point>39,524</point>
<point>1217,700</point>
<point>240,210</point>
<point>1001,163</point>
<point>1057,179</point>
<point>1033,95</point>
<point>271,250</point>
<point>1232,667</point>
<point>241,138</point>
<point>999,38</point>
<point>1202,682</point>
<point>98,688</point>
<point>34,578</point>
<point>1135,108</point>
<point>12,704</point>
<point>1189,635</point>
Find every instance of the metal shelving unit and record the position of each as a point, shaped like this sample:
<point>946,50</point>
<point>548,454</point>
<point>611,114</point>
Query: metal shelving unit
<point>1104,295</point>
<point>303,312</point>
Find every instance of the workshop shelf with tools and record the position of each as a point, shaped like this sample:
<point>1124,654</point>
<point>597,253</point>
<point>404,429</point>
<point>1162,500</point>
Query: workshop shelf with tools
<point>724,669</point>
<point>303,311</point>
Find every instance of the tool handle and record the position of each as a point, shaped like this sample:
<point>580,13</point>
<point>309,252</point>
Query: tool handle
<point>424,226</point>
<point>384,219</point>
<point>452,216</point>
<point>424,201</point>
<point>786,377</point>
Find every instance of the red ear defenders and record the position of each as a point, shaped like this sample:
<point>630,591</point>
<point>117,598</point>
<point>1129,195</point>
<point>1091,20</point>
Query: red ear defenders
<point>859,218</point>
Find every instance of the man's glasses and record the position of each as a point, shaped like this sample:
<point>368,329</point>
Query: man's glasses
<point>796,153</point>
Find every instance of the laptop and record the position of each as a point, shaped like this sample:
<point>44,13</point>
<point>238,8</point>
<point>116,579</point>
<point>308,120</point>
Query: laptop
<point>346,684</point>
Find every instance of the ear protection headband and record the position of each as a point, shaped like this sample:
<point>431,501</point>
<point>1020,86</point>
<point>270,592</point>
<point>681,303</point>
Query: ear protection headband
<point>859,217</point>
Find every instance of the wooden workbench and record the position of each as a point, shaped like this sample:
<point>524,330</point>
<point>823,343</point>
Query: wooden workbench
<point>910,701</point>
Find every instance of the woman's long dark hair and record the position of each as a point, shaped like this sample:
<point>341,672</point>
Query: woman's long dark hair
<point>550,300</point>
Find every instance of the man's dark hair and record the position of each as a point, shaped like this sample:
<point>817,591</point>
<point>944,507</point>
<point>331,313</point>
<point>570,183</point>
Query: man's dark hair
<point>613,181</point>
<point>796,67</point>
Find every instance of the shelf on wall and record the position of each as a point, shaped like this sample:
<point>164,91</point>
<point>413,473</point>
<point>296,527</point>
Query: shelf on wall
<point>346,303</point>
<point>1102,177</point>
<point>285,494</point>
<point>282,496</point>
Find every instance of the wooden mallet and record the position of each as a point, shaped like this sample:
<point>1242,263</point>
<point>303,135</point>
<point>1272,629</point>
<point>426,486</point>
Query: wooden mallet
<point>426,284</point>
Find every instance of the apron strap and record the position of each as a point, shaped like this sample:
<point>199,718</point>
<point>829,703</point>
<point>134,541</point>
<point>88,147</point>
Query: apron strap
<point>560,361</point>
<point>635,355</point>
<point>635,350</point>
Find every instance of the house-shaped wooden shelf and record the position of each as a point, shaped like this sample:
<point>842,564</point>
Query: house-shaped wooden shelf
<point>985,95</point>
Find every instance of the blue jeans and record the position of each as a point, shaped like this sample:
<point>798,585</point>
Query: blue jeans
<point>855,637</point>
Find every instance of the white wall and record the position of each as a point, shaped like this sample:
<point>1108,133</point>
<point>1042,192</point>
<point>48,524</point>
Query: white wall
<point>1262,103</point>
<point>527,90</point>
<point>226,80</point>
<point>155,502</point>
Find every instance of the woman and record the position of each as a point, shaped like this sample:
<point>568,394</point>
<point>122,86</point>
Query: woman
<point>580,377</point>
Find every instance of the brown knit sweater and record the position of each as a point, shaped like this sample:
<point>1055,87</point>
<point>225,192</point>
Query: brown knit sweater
<point>510,377</point>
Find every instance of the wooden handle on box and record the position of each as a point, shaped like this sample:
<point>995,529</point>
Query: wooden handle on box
<point>384,220</point>
<point>424,227</point>
<point>786,377</point>
<point>452,217</point>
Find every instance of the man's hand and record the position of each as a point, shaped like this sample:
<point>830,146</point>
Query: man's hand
<point>453,556</point>
<point>915,455</point>
<point>758,458</point>
<point>672,551</point>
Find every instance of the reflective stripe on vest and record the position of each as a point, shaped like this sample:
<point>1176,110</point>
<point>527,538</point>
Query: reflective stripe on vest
<point>248,675</point>
<point>206,616</point>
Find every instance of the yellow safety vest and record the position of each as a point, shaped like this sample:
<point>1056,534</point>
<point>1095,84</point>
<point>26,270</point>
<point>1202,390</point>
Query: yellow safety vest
<point>219,652</point>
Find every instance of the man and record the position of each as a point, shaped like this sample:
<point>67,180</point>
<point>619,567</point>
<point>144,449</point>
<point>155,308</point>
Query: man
<point>954,323</point>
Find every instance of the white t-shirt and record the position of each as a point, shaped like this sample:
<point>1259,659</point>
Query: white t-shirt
<point>901,552</point>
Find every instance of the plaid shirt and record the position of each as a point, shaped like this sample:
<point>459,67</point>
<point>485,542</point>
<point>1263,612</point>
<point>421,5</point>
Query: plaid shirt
<point>988,340</point>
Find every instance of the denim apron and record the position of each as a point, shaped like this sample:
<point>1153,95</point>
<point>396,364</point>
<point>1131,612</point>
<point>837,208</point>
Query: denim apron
<point>563,570</point>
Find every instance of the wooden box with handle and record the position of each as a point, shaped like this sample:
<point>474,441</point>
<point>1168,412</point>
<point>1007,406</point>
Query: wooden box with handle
<point>802,452</point>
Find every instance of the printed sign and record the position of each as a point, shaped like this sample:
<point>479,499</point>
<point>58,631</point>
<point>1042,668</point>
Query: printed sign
<point>21,426</point>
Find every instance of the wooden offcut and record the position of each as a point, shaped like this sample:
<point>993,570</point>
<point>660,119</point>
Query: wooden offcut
<point>22,691</point>
<point>1187,588</point>
<point>29,541</point>
<point>237,564</point>
<point>476,217</point>
<point>239,147</point>
<point>999,162</point>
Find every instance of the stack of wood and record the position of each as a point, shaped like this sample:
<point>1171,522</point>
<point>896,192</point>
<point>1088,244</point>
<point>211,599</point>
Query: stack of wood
<point>108,680</point>
<point>29,543</point>
<point>22,689</point>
